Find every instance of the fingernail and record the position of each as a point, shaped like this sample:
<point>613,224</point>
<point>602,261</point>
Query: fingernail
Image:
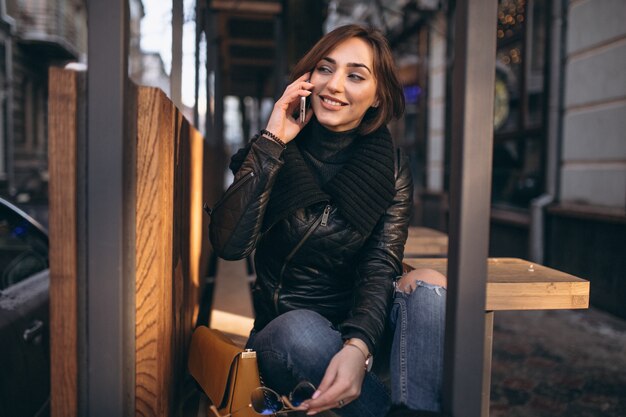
<point>311,413</point>
<point>316,394</point>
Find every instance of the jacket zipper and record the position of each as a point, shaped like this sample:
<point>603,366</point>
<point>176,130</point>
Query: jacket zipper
<point>322,220</point>
<point>243,180</point>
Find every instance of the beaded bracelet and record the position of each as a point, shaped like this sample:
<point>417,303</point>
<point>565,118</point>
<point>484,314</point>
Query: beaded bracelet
<point>273,137</point>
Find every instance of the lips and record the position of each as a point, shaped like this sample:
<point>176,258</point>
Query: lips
<point>332,101</point>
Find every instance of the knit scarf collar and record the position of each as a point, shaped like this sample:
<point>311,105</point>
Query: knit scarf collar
<point>362,190</point>
<point>326,146</point>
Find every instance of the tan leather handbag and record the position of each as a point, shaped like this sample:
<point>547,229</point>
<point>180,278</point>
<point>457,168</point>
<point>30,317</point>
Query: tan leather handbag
<point>226,373</point>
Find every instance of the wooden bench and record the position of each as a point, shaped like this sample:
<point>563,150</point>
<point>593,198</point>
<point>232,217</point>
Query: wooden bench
<point>517,284</point>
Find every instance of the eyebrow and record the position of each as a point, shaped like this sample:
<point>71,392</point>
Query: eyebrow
<point>349,64</point>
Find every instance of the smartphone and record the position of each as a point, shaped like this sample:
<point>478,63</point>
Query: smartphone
<point>302,109</point>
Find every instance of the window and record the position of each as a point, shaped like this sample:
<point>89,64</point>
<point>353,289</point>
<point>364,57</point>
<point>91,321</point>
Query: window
<point>520,97</point>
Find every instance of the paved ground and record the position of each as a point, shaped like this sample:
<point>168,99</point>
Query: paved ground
<point>559,363</point>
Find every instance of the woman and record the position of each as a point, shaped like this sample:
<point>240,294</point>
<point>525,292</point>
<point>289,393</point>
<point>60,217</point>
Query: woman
<point>326,203</point>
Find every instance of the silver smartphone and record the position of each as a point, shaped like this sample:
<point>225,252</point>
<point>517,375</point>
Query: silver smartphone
<point>302,109</point>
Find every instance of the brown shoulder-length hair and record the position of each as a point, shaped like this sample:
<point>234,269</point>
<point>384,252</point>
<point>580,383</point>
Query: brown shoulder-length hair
<point>388,89</point>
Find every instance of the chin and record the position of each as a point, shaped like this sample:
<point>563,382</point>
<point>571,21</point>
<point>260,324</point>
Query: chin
<point>331,123</point>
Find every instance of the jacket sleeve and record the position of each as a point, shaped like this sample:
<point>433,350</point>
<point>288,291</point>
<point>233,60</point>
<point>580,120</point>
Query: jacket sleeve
<point>237,217</point>
<point>379,263</point>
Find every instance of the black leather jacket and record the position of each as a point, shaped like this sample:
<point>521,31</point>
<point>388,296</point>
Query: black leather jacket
<point>313,259</point>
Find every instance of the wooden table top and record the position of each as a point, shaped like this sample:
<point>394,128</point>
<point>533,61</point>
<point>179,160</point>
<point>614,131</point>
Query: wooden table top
<point>517,284</point>
<point>423,241</point>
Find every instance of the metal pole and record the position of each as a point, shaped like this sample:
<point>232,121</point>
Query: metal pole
<point>177,53</point>
<point>470,191</point>
<point>109,244</point>
<point>211,56</point>
<point>280,69</point>
<point>8,117</point>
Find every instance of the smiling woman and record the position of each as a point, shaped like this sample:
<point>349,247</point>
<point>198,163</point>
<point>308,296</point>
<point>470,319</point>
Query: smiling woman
<point>326,204</point>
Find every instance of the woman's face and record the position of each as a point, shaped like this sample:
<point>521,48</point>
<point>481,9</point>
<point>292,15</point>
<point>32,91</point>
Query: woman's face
<point>344,85</point>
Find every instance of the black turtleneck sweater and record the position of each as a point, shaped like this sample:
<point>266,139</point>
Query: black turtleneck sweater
<point>325,151</point>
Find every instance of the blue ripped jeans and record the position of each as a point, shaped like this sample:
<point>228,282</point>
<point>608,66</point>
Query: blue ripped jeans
<point>299,345</point>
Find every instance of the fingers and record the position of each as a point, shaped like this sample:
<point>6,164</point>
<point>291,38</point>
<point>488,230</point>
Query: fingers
<point>302,89</point>
<point>304,77</point>
<point>341,383</point>
<point>309,115</point>
<point>282,122</point>
<point>300,86</point>
<point>337,396</point>
<point>329,377</point>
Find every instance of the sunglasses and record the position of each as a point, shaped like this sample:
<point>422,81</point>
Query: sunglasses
<point>266,401</point>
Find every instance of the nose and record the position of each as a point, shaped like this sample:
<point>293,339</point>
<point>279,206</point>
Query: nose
<point>335,84</point>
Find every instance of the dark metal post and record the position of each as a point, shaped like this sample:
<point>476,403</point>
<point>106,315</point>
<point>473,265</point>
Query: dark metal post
<point>211,56</point>
<point>177,53</point>
<point>281,50</point>
<point>109,244</point>
<point>218,89</point>
<point>8,116</point>
<point>470,191</point>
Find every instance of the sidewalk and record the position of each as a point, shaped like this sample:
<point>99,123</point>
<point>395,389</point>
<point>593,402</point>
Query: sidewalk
<point>559,363</point>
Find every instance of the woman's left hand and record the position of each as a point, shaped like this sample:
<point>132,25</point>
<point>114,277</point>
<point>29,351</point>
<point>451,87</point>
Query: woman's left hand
<point>341,383</point>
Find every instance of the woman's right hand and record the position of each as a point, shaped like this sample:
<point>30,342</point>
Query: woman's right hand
<point>341,383</point>
<point>281,122</point>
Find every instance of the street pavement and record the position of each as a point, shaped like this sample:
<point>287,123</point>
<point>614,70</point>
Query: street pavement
<point>569,363</point>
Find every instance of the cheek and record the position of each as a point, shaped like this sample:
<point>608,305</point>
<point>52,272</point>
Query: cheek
<point>365,99</point>
<point>365,96</point>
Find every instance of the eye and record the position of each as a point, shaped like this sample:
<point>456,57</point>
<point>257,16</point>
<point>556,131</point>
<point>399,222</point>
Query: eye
<point>356,77</point>
<point>323,69</point>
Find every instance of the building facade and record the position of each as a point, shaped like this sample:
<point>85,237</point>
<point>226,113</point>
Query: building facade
<point>33,36</point>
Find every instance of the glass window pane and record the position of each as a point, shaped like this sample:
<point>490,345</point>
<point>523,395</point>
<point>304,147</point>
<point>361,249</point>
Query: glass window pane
<point>517,171</point>
<point>508,88</point>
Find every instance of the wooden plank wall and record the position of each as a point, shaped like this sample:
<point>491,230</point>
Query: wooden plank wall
<point>63,114</point>
<point>169,231</point>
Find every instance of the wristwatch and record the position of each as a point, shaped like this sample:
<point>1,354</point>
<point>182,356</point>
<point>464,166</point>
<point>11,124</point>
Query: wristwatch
<point>369,359</point>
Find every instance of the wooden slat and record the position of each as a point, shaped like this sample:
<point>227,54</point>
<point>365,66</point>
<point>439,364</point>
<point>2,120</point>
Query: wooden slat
<point>256,7</point>
<point>62,143</point>
<point>423,241</point>
<point>517,284</point>
<point>252,62</point>
<point>153,252</point>
<point>168,249</point>
<point>196,226</point>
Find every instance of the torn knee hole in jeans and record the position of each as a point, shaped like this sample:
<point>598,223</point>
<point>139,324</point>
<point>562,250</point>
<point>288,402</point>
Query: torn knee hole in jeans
<point>408,288</point>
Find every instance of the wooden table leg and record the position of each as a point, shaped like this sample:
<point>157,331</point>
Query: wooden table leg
<point>487,363</point>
